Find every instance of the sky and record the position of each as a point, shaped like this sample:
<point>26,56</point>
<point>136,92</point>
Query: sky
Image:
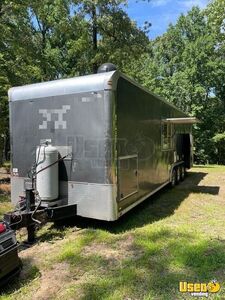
<point>160,12</point>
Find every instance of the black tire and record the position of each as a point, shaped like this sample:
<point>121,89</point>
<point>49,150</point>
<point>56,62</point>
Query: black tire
<point>183,173</point>
<point>178,174</point>
<point>173,178</point>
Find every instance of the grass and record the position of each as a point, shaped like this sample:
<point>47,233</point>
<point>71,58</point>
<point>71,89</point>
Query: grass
<point>4,191</point>
<point>5,205</point>
<point>177,235</point>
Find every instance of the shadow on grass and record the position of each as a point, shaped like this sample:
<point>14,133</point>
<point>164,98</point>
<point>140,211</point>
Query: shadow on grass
<point>28,273</point>
<point>5,180</point>
<point>167,258</point>
<point>54,232</point>
<point>159,206</point>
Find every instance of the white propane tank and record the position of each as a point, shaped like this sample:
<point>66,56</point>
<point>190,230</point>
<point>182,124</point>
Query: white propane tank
<point>47,183</point>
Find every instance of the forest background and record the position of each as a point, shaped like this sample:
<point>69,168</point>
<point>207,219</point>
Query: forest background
<point>45,40</point>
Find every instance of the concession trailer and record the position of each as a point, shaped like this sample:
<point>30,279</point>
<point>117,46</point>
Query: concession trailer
<point>94,146</point>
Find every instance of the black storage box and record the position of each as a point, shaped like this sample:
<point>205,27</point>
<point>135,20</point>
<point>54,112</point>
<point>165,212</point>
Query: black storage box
<point>10,264</point>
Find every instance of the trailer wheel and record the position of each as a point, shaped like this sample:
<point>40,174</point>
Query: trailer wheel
<point>182,174</point>
<point>178,174</point>
<point>173,178</point>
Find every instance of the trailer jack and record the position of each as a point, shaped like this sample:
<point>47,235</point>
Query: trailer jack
<point>17,220</point>
<point>34,215</point>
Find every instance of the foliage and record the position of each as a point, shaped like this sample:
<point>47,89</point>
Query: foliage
<point>219,140</point>
<point>186,66</point>
<point>45,40</point>
<point>112,34</point>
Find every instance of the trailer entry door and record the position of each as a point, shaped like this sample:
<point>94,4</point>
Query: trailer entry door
<point>128,176</point>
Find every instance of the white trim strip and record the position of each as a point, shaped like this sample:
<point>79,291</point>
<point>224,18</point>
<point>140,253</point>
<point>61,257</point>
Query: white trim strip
<point>88,183</point>
<point>188,120</point>
<point>127,157</point>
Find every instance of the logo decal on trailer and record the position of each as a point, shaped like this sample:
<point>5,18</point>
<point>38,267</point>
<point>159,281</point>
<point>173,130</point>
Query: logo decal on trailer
<point>47,115</point>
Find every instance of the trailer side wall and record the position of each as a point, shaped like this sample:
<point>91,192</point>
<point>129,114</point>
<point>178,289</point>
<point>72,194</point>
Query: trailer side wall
<point>139,131</point>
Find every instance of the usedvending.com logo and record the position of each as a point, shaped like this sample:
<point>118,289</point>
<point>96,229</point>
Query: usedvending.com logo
<point>197,289</point>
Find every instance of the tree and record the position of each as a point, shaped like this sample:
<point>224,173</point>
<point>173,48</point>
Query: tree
<point>186,66</point>
<point>219,140</point>
<point>12,28</point>
<point>114,37</point>
<point>215,13</point>
<point>45,40</point>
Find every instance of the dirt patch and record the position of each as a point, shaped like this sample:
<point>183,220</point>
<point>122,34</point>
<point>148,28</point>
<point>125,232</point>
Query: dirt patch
<point>52,281</point>
<point>123,249</point>
<point>4,174</point>
<point>5,189</point>
<point>4,181</point>
<point>37,252</point>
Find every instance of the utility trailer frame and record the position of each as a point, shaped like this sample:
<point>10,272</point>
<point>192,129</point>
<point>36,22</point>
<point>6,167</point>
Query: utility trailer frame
<point>125,142</point>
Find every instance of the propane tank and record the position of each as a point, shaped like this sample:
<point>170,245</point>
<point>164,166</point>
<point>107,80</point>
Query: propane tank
<point>47,181</point>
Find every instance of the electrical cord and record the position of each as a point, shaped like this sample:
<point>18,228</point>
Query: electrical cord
<point>34,174</point>
<point>31,172</point>
<point>33,213</point>
<point>40,162</point>
<point>37,193</point>
<point>16,223</point>
<point>52,164</point>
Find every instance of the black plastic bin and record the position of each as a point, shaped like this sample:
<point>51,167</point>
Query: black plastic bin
<point>10,263</point>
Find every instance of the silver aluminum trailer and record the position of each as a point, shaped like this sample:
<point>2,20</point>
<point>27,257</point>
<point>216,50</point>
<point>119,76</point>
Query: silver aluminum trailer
<point>120,142</point>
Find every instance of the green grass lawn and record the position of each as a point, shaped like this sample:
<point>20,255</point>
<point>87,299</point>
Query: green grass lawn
<point>177,235</point>
<point>4,192</point>
<point>5,205</point>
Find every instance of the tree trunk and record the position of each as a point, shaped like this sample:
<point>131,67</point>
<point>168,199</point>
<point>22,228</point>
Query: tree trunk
<point>7,147</point>
<point>1,150</point>
<point>94,36</point>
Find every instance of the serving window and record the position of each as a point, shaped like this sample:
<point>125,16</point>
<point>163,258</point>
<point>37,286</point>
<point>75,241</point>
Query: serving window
<point>167,136</point>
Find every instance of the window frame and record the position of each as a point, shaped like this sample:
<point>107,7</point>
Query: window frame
<point>169,145</point>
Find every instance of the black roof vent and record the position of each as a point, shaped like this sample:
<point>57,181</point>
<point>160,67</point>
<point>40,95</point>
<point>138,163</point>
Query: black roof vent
<point>108,67</point>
